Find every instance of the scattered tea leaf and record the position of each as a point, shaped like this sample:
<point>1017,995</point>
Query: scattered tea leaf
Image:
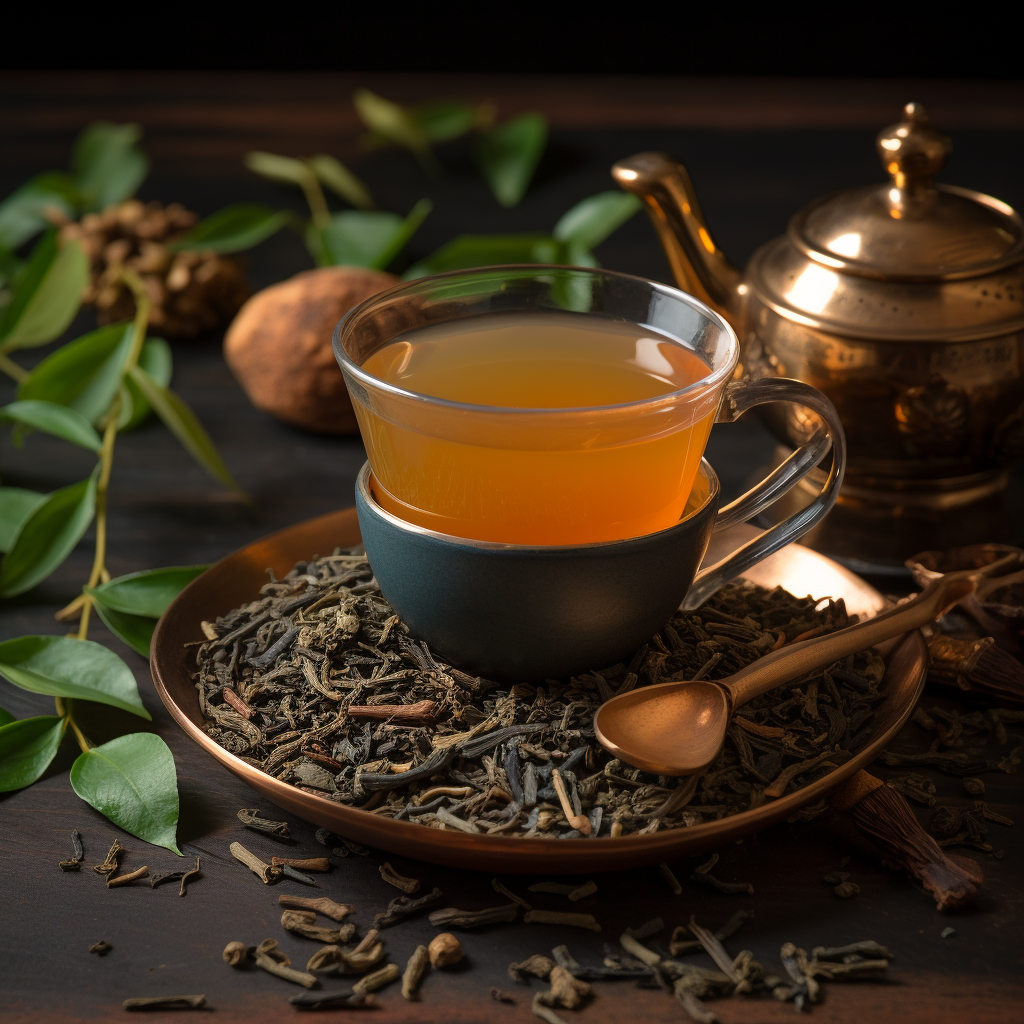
<point>508,155</point>
<point>47,295</point>
<point>26,749</point>
<point>593,219</point>
<point>148,592</point>
<point>51,418</point>
<point>155,358</point>
<point>47,537</point>
<point>371,238</point>
<point>61,666</point>
<point>107,164</point>
<point>24,212</point>
<point>83,374</point>
<point>184,425</point>
<point>16,505</point>
<point>236,227</point>
<point>132,781</point>
<point>341,181</point>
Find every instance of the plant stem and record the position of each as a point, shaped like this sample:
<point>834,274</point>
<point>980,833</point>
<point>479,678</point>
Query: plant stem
<point>12,369</point>
<point>318,207</point>
<point>99,568</point>
<point>64,711</point>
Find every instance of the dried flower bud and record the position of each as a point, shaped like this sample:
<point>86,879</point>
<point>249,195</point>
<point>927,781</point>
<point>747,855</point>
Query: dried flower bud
<point>444,950</point>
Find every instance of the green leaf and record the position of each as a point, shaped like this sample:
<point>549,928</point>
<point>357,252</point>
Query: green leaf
<point>593,219</point>
<point>449,119</point>
<point>16,505</point>
<point>60,666</point>
<point>394,123</point>
<point>47,537</point>
<point>10,268</point>
<point>47,295</point>
<point>371,238</point>
<point>23,212</point>
<point>148,592</point>
<point>58,420</point>
<point>107,164</point>
<point>486,251</point>
<point>132,781</point>
<point>134,630</point>
<point>341,181</point>
<point>508,155</point>
<point>26,749</point>
<point>6,717</point>
<point>155,358</point>
<point>182,422</point>
<point>84,374</point>
<point>279,168</point>
<point>236,227</point>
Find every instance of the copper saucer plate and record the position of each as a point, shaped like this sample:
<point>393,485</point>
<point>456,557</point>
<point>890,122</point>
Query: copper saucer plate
<point>236,579</point>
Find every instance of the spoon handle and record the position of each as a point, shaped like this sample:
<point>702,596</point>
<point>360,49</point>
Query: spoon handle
<point>794,661</point>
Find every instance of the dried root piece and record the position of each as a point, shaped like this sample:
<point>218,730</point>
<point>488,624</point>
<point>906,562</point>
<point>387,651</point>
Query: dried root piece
<point>542,1010</point>
<point>250,818</point>
<point>565,990</point>
<point>259,868</point>
<point>273,961</point>
<point>414,971</point>
<point>164,1003</point>
<point>703,876</point>
<point>127,879</point>
<point>402,907</point>
<point>371,982</point>
<point>455,918</point>
<point>101,948</point>
<point>303,922</point>
<point>884,816</point>
<point>392,877</point>
<point>560,917</point>
<point>444,950</point>
<point>321,905</point>
<point>302,863</point>
<point>109,865</point>
<point>538,966</point>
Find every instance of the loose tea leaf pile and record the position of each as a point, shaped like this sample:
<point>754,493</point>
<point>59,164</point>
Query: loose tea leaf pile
<point>319,684</point>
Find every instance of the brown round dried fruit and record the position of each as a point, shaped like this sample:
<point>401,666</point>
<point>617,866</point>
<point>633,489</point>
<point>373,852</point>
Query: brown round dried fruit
<point>444,950</point>
<point>279,346</point>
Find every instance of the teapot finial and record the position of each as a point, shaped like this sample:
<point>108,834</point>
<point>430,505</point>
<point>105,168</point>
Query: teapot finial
<point>913,152</point>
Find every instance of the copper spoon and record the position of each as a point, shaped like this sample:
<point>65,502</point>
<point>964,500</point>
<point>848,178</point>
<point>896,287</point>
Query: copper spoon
<point>678,728</point>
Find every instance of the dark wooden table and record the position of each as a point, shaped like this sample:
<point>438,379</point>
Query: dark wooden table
<point>757,151</point>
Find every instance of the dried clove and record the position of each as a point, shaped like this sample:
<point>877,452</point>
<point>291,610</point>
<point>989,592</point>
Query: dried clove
<point>302,922</point>
<point>371,982</point>
<point>332,1001</point>
<point>118,880</point>
<point>262,870</point>
<point>235,953</point>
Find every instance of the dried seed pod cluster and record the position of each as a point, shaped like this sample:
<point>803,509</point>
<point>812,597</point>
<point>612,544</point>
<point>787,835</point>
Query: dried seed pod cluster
<point>190,292</point>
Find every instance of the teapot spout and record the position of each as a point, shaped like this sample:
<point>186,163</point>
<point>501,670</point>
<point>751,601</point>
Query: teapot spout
<point>698,265</point>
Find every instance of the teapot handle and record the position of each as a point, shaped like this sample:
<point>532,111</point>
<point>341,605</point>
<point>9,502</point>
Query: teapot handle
<point>738,398</point>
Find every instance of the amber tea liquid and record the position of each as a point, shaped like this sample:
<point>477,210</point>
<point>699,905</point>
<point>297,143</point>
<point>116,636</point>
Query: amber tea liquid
<point>552,478</point>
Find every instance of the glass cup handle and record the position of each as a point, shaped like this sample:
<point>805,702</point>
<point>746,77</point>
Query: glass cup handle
<point>738,398</point>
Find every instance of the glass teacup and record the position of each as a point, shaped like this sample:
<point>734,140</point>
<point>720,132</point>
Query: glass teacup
<point>539,470</point>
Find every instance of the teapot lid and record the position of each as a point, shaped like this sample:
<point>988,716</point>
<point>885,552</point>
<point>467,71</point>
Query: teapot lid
<point>910,229</point>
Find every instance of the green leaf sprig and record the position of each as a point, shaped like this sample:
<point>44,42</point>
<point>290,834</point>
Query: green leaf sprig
<point>363,237</point>
<point>86,393</point>
<point>571,241</point>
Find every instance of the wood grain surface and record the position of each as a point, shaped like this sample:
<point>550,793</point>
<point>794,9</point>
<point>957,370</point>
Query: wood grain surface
<point>757,151</point>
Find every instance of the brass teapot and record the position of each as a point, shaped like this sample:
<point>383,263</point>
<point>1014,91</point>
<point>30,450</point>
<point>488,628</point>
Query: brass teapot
<point>904,303</point>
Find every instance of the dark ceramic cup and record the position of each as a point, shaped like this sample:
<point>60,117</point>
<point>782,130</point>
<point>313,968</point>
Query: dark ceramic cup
<point>518,612</point>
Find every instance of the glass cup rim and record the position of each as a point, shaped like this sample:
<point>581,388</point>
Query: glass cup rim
<point>711,380</point>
